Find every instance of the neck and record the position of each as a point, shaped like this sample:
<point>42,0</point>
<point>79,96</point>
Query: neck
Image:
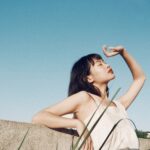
<point>102,88</point>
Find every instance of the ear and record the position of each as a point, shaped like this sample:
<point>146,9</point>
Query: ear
<point>90,78</point>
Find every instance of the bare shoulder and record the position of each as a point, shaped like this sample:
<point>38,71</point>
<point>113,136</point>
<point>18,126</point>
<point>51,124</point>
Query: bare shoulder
<point>83,97</point>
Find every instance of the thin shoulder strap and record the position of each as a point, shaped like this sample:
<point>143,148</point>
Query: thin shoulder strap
<point>96,102</point>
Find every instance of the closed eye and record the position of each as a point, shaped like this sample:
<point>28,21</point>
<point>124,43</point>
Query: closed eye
<point>100,62</point>
<point>104,62</point>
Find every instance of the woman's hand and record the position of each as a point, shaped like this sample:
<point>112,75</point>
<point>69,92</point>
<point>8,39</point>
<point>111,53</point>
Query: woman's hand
<point>88,145</point>
<point>113,50</point>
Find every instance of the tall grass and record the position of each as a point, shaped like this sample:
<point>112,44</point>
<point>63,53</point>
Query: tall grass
<point>92,128</point>
<point>96,122</point>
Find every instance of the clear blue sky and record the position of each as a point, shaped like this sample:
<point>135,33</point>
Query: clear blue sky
<point>40,41</point>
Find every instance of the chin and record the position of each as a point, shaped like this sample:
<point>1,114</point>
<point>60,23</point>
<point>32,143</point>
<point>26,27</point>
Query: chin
<point>113,77</point>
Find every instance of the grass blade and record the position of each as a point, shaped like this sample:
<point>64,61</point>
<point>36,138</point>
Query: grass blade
<point>135,129</point>
<point>23,139</point>
<point>95,122</point>
<point>85,128</point>
<point>115,125</point>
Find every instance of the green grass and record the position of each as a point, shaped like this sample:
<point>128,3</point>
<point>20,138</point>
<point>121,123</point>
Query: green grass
<point>141,134</point>
<point>75,146</point>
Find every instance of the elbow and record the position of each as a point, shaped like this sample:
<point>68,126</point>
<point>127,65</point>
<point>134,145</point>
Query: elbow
<point>36,119</point>
<point>142,78</point>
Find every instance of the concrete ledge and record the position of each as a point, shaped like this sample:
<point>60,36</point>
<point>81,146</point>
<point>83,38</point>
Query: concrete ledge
<point>144,144</point>
<point>40,137</point>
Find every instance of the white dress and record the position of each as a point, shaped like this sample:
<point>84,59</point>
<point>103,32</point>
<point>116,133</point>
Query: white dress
<point>122,137</point>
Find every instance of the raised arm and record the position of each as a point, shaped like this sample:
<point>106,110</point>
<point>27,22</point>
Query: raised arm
<point>137,74</point>
<point>51,116</point>
<point>138,79</point>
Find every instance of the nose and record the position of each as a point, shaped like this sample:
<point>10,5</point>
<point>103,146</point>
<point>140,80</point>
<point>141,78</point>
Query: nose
<point>107,65</point>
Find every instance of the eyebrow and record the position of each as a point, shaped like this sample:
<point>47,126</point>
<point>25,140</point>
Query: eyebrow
<point>98,61</point>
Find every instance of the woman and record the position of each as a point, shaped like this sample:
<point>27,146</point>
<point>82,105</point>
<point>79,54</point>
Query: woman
<point>88,87</point>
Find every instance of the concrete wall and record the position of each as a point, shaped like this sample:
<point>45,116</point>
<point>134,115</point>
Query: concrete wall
<point>40,137</point>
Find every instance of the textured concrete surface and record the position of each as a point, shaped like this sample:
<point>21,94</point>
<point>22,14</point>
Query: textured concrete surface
<point>40,137</point>
<point>144,144</point>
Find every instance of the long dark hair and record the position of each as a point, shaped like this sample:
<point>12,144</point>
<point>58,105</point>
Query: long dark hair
<point>78,76</point>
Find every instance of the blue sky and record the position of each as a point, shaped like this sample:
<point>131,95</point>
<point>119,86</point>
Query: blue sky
<point>40,41</point>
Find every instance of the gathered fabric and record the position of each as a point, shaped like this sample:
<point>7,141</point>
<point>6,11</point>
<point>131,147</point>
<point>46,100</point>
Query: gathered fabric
<point>123,135</point>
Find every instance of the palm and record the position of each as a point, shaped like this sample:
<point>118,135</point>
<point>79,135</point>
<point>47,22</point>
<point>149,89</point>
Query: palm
<point>113,50</point>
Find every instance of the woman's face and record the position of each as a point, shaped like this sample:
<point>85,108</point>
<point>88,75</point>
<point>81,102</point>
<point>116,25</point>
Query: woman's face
<point>100,72</point>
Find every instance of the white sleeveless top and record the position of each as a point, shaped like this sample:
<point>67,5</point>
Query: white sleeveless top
<point>122,137</point>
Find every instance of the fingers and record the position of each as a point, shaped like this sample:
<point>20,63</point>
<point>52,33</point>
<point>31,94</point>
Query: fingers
<point>89,144</point>
<point>85,147</point>
<point>113,50</point>
<point>117,48</point>
<point>104,48</point>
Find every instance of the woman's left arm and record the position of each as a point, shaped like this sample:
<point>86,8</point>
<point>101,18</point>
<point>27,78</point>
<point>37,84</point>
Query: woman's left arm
<point>138,79</point>
<point>137,74</point>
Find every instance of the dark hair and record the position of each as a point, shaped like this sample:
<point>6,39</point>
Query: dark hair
<point>78,76</point>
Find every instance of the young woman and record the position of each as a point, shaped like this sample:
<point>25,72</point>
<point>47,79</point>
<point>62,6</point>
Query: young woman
<point>88,87</point>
